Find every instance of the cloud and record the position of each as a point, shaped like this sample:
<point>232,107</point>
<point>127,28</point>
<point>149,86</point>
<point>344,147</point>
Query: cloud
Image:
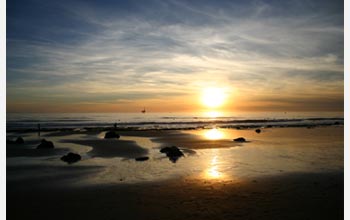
<point>109,51</point>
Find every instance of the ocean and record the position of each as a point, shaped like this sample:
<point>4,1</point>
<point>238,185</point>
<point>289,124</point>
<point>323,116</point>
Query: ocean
<point>20,121</point>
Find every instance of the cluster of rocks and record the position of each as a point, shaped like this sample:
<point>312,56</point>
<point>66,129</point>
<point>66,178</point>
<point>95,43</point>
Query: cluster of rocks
<point>242,139</point>
<point>69,158</point>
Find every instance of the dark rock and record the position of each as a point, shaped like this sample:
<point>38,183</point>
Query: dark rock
<point>173,153</point>
<point>111,134</point>
<point>269,126</point>
<point>19,140</point>
<point>258,130</point>
<point>240,139</point>
<point>71,158</point>
<point>337,123</point>
<point>141,158</point>
<point>45,145</point>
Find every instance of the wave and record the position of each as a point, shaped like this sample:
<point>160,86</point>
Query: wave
<point>174,123</point>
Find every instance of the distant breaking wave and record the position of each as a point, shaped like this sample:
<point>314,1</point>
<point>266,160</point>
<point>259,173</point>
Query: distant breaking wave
<point>130,121</point>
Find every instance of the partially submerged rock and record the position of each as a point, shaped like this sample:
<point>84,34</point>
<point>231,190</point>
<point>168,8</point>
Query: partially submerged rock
<point>111,134</point>
<point>258,130</point>
<point>71,158</point>
<point>173,153</point>
<point>45,145</point>
<point>141,158</point>
<point>240,139</point>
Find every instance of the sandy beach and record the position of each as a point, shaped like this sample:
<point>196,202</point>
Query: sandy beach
<point>280,173</point>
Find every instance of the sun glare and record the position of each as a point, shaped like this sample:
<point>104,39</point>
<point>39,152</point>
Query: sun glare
<point>213,97</point>
<point>214,134</point>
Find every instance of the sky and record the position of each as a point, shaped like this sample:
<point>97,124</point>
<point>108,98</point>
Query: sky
<point>121,56</point>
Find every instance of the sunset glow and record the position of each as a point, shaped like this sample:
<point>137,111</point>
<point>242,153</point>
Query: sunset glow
<point>119,57</point>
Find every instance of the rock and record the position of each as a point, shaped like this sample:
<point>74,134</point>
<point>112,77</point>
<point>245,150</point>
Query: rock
<point>141,158</point>
<point>269,126</point>
<point>71,158</point>
<point>111,134</point>
<point>258,130</point>
<point>173,153</point>
<point>240,139</point>
<point>337,123</point>
<point>45,145</point>
<point>19,140</point>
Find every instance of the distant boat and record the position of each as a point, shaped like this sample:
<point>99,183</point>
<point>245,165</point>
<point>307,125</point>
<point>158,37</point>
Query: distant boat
<point>144,110</point>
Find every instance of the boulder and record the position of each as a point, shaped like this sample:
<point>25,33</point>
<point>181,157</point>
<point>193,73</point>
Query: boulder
<point>258,130</point>
<point>45,145</point>
<point>173,153</point>
<point>141,158</point>
<point>240,139</point>
<point>111,134</point>
<point>71,158</point>
<point>19,140</point>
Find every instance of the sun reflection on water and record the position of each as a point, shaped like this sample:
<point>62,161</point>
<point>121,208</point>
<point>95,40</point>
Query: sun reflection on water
<point>213,114</point>
<point>213,171</point>
<point>214,134</point>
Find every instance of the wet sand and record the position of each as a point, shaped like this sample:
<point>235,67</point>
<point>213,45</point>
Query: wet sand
<point>112,148</point>
<point>292,196</point>
<point>281,173</point>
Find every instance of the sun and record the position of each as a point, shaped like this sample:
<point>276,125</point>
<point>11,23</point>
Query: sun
<point>213,97</point>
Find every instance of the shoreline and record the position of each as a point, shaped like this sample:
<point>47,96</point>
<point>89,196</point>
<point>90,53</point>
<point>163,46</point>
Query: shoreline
<point>208,126</point>
<point>217,178</point>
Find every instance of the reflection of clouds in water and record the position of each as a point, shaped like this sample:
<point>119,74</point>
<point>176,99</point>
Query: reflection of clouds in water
<point>214,134</point>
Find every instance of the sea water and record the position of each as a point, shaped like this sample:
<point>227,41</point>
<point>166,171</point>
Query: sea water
<point>18,121</point>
